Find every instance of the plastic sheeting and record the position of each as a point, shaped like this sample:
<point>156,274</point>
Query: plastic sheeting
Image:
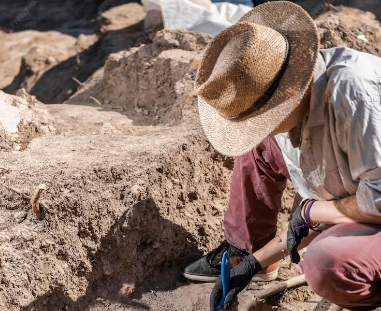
<point>197,15</point>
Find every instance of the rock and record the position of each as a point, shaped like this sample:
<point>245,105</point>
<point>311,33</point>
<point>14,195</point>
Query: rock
<point>20,216</point>
<point>108,128</point>
<point>155,245</point>
<point>136,190</point>
<point>126,290</point>
<point>167,39</point>
<point>145,112</point>
<point>50,60</point>
<point>24,94</point>
<point>21,120</point>
<point>107,268</point>
<point>185,40</point>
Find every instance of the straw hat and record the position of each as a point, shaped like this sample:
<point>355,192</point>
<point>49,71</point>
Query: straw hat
<point>254,73</point>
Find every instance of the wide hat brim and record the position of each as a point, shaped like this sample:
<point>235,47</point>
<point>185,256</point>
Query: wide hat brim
<point>234,138</point>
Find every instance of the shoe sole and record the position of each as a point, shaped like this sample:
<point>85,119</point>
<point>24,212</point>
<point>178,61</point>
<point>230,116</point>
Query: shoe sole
<point>200,278</point>
<point>271,276</point>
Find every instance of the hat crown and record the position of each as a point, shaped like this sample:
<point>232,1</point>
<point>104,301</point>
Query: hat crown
<point>239,65</point>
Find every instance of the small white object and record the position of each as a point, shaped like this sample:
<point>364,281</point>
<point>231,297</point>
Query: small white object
<point>362,37</point>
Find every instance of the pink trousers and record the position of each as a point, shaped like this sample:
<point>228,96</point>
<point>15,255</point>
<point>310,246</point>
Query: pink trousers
<point>343,264</point>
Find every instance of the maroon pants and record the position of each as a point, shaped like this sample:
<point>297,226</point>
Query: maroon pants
<point>342,265</point>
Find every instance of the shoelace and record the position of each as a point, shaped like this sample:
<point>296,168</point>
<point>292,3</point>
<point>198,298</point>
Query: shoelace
<point>224,246</point>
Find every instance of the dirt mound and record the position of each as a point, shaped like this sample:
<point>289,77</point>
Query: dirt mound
<point>17,45</point>
<point>132,184</point>
<point>117,205</point>
<point>351,17</point>
<point>151,84</point>
<point>46,63</point>
<point>50,61</point>
<point>43,63</point>
<point>112,216</point>
<point>22,119</point>
<point>341,26</point>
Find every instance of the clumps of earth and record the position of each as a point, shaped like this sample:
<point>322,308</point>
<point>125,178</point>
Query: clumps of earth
<point>132,185</point>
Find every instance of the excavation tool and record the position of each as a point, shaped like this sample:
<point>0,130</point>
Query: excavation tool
<point>225,277</point>
<point>249,299</point>
<point>335,308</point>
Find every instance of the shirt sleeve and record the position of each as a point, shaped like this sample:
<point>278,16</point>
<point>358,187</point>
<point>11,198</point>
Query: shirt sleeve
<point>291,157</point>
<point>357,108</point>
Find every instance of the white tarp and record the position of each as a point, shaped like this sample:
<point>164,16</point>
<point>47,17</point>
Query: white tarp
<point>197,15</point>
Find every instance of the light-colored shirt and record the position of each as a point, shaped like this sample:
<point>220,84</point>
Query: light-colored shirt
<point>339,150</point>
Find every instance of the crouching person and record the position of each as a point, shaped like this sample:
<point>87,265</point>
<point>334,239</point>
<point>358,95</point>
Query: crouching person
<point>290,111</point>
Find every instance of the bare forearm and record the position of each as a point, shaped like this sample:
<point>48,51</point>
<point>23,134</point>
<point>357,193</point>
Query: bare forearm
<point>277,248</point>
<point>325,212</point>
<point>340,211</point>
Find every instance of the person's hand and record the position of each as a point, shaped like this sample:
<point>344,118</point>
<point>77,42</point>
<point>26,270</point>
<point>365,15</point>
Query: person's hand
<point>240,277</point>
<point>297,230</point>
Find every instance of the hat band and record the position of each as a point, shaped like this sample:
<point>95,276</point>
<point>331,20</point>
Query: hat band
<point>261,101</point>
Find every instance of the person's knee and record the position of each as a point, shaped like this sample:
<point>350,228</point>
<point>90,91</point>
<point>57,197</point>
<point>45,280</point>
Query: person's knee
<point>316,270</point>
<point>325,270</point>
<point>341,265</point>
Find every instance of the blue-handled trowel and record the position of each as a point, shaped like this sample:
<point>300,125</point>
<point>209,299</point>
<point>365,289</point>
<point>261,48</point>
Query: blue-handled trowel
<point>225,277</point>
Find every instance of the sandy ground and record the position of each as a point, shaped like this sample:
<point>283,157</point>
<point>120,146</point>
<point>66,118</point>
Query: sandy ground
<point>133,187</point>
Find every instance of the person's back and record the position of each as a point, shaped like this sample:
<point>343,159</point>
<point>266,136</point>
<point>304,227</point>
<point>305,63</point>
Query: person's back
<point>265,76</point>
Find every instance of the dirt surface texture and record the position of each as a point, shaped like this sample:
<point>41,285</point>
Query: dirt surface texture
<point>130,186</point>
<point>51,65</point>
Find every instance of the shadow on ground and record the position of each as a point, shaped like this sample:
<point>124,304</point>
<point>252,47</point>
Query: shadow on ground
<point>117,264</point>
<point>56,85</point>
<point>70,17</point>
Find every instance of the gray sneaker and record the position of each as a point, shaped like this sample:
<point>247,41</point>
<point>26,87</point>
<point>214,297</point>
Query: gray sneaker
<point>208,268</point>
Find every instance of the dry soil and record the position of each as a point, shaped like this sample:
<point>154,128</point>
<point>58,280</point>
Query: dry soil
<point>132,186</point>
